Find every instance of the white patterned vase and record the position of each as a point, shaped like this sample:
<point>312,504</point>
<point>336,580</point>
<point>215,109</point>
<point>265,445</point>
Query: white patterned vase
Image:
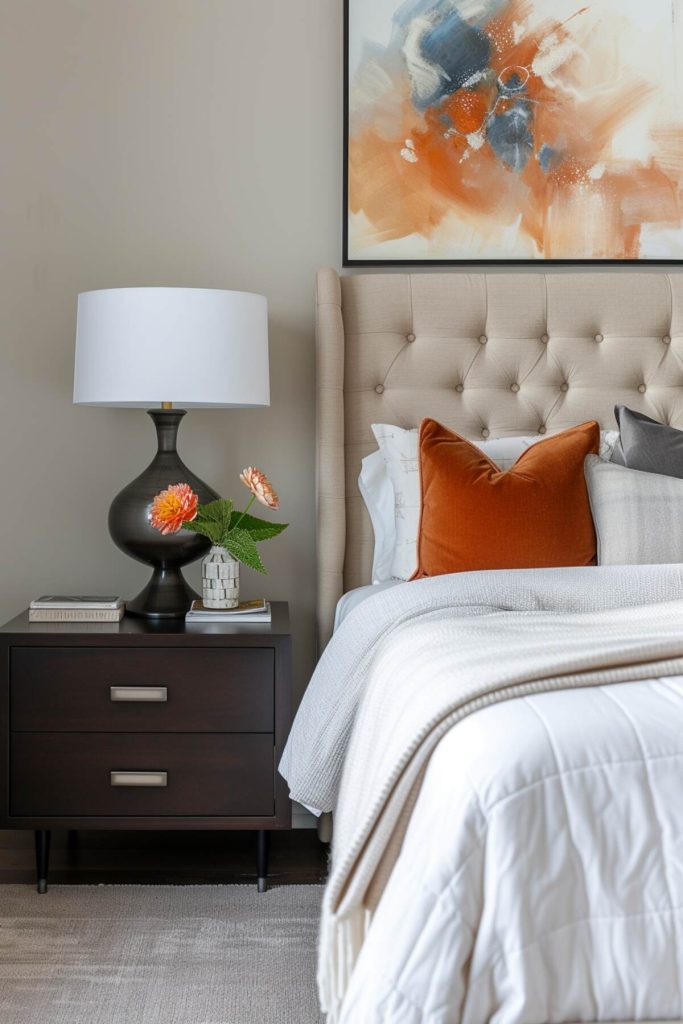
<point>220,579</point>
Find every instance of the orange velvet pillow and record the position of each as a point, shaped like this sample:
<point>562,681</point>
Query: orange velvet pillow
<point>474,516</point>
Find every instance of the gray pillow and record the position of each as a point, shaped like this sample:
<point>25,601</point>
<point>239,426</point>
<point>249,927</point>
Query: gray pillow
<point>647,445</point>
<point>637,516</point>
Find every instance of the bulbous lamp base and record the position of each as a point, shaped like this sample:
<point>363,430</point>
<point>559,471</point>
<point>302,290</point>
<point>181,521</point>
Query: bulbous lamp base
<point>167,595</point>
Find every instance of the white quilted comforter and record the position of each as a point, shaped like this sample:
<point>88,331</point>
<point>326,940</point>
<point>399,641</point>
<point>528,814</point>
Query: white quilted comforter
<point>540,874</point>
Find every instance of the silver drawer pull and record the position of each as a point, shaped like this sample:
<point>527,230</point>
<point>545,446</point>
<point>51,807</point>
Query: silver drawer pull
<point>144,694</point>
<point>153,779</point>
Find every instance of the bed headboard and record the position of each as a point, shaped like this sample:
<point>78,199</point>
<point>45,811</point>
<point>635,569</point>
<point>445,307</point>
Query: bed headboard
<point>488,355</point>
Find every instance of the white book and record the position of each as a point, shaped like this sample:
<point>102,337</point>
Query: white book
<point>259,612</point>
<point>77,603</point>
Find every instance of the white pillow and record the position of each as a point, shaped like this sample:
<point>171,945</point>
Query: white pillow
<point>399,451</point>
<point>378,494</point>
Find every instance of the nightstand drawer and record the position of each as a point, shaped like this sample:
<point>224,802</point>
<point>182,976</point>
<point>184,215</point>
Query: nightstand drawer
<point>119,774</point>
<point>70,689</point>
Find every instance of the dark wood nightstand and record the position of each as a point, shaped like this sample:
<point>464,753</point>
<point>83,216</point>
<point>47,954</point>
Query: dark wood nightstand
<point>144,725</point>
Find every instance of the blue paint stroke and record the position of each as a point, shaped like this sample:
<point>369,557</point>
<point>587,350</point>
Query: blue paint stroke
<point>455,48</point>
<point>458,49</point>
<point>514,84</point>
<point>548,158</point>
<point>511,137</point>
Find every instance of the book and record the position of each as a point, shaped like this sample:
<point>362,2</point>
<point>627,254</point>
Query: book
<point>243,608</point>
<point>75,614</point>
<point>246,611</point>
<point>77,603</point>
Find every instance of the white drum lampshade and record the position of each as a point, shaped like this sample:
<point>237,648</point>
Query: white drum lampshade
<point>168,347</point>
<point>194,347</point>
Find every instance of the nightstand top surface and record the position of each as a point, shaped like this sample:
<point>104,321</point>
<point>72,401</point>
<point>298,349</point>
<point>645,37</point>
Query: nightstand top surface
<point>168,631</point>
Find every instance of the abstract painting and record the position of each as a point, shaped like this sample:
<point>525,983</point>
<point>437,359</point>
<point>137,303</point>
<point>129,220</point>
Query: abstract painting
<point>514,130</point>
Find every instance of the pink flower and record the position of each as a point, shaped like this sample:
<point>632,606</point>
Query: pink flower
<point>260,487</point>
<point>173,507</point>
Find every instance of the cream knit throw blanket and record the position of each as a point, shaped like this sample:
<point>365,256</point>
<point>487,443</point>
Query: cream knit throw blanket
<point>408,664</point>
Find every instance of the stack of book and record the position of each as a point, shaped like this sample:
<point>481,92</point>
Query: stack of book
<point>58,608</point>
<point>246,611</point>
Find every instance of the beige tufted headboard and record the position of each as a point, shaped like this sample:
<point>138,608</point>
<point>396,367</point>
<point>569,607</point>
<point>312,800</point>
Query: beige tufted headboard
<point>487,355</point>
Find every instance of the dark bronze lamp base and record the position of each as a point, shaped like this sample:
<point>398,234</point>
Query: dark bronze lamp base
<point>167,595</point>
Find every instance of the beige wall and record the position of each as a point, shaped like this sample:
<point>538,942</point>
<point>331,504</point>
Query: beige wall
<point>159,142</point>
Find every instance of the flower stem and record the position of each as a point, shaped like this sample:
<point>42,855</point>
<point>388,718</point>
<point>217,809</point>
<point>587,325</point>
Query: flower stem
<point>251,502</point>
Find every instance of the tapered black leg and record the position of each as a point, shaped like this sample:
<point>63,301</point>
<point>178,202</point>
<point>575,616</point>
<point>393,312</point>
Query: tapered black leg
<point>262,850</point>
<point>42,858</point>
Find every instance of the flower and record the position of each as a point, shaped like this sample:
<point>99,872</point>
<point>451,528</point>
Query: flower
<point>260,486</point>
<point>173,507</point>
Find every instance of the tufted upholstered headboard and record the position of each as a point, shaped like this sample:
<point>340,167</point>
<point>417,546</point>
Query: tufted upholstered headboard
<point>488,356</point>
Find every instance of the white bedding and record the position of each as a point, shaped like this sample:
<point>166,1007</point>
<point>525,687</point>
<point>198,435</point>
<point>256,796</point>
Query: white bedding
<point>541,874</point>
<point>541,877</point>
<point>352,598</point>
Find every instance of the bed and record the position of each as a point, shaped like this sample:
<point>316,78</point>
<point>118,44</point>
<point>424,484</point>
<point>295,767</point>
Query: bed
<point>502,750</point>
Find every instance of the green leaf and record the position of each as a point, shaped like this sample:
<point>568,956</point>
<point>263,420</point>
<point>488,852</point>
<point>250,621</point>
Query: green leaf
<point>242,546</point>
<point>213,531</point>
<point>213,520</point>
<point>260,529</point>
<point>218,511</point>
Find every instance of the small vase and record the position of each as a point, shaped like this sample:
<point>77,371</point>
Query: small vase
<point>220,579</point>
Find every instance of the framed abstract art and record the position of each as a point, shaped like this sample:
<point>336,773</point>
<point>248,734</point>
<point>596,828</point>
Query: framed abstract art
<point>513,131</point>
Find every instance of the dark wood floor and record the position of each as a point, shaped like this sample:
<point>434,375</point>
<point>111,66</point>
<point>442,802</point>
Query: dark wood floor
<point>165,858</point>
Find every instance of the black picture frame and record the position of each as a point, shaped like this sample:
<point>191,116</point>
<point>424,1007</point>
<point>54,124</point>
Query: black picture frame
<point>349,263</point>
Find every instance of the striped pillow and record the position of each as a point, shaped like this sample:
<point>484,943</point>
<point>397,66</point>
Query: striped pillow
<point>637,515</point>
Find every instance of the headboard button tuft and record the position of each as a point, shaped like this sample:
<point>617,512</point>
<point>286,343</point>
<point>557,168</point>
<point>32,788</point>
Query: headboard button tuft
<point>380,389</point>
<point>667,339</point>
<point>545,339</point>
<point>482,339</point>
<point>541,429</point>
<point>514,387</point>
<point>410,337</point>
<point>459,388</point>
<point>642,389</point>
<point>564,387</point>
<point>599,337</point>
<point>485,432</point>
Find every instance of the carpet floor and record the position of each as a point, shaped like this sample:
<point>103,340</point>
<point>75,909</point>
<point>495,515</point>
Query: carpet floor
<point>158,955</point>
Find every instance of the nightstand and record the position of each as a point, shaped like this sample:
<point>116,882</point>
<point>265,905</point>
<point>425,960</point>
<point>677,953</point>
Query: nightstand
<point>144,725</point>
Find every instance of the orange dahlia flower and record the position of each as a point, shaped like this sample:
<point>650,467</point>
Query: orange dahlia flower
<point>173,507</point>
<point>260,486</point>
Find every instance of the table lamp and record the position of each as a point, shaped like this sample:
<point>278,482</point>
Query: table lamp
<point>167,347</point>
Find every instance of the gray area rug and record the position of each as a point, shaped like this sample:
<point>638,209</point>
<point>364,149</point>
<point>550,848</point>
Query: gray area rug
<point>158,955</point>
